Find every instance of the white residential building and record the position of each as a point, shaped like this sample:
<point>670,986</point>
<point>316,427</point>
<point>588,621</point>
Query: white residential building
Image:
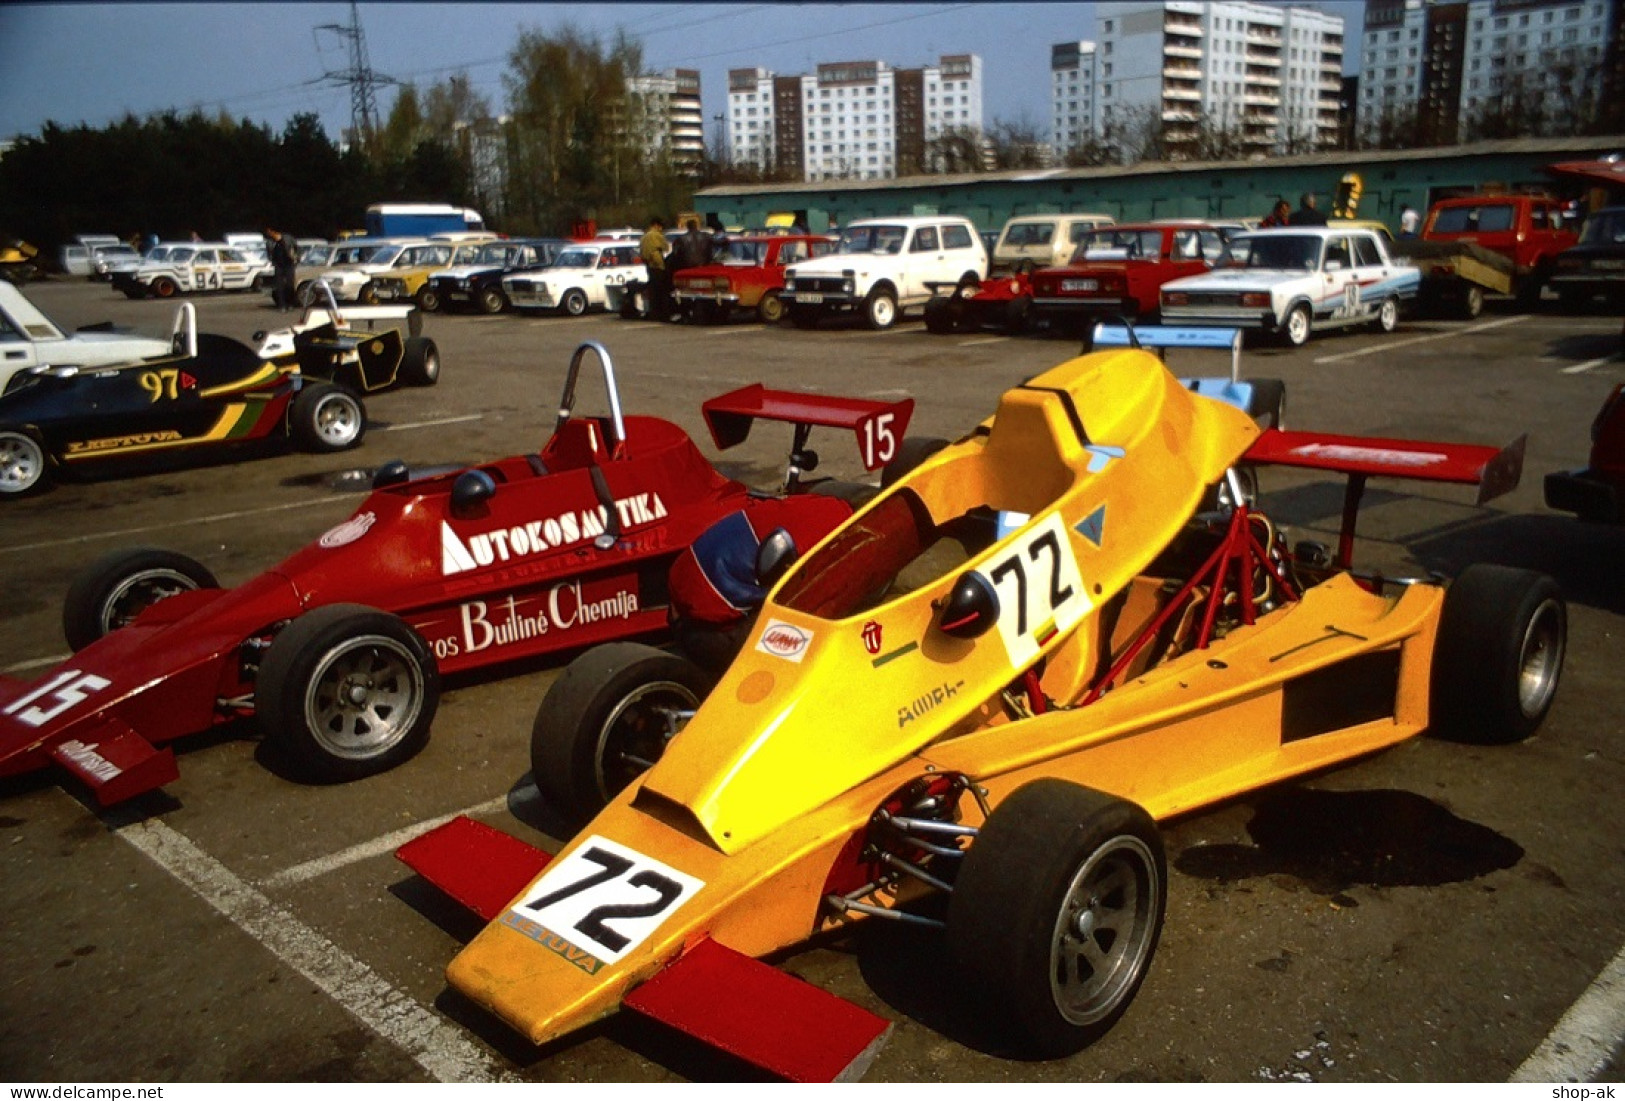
<point>1073,120</point>
<point>850,119</point>
<point>1268,75</point>
<point>1453,63</point>
<point>671,116</point>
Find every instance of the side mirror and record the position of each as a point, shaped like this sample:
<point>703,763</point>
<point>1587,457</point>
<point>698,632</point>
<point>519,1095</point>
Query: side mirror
<point>470,491</point>
<point>972,607</point>
<point>776,555</point>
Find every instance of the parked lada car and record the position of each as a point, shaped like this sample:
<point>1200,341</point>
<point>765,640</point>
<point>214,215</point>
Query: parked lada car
<point>28,339</point>
<point>411,283</point>
<point>1032,241</point>
<point>578,279</point>
<point>1595,266</point>
<point>884,267</point>
<point>747,274</point>
<point>355,267</point>
<point>477,284</point>
<point>1294,280</point>
<point>1119,271</point>
<point>192,268</point>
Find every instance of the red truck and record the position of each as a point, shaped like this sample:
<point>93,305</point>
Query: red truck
<point>1528,230</point>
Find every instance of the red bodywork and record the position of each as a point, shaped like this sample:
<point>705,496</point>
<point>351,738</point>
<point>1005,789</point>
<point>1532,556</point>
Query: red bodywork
<point>721,287</point>
<point>1123,282</point>
<point>519,574</point>
<point>1003,302</point>
<point>1526,229</point>
<point>1597,493</point>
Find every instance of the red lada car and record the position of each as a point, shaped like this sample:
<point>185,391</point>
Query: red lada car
<point>747,274</point>
<point>1118,271</point>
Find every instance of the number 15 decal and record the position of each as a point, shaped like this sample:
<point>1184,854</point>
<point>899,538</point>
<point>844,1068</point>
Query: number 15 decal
<point>605,898</point>
<point>1040,590</point>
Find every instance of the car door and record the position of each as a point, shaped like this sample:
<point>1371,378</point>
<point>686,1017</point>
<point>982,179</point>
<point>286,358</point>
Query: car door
<point>1339,294</point>
<point>926,263</point>
<point>1371,270</point>
<point>205,270</point>
<point>236,272</point>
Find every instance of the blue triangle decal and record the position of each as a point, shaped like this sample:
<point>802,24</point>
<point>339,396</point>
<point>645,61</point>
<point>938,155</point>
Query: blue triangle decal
<point>1093,526</point>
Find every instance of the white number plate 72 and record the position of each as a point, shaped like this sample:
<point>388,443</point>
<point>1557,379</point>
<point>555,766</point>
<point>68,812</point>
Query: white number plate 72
<point>605,898</point>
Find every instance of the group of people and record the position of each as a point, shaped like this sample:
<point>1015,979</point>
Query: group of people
<point>663,260</point>
<point>1309,214</point>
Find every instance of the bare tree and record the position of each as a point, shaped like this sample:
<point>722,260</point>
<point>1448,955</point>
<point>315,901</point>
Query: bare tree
<point>1018,144</point>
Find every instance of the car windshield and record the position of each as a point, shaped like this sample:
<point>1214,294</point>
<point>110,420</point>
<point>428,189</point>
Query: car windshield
<point>747,253</point>
<point>576,258</point>
<point>180,254</point>
<point>354,254</point>
<point>497,253</point>
<point>1119,244</point>
<point>1606,227</point>
<point>156,252</point>
<point>386,254</point>
<point>883,239</point>
<point>1284,253</point>
<point>316,254</point>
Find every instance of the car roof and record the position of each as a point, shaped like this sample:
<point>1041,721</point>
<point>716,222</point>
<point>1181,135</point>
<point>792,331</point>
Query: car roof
<point>908,220</point>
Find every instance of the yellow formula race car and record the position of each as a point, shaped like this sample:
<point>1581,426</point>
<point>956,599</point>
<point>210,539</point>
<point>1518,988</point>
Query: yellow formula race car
<point>969,707</point>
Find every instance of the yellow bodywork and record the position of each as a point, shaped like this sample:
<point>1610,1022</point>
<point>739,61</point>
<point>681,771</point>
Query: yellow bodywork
<point>848,689</point>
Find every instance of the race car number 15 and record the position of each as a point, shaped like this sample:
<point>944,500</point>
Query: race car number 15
<point>605,898</point>
<point>1040,590</point>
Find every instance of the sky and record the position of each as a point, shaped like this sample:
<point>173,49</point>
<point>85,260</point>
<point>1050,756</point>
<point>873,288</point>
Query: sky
<point>90,63</point>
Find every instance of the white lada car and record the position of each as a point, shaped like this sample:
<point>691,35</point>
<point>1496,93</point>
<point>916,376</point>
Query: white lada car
<point>192,268</point>
<point>1293,280</point>
<point>578,279</point>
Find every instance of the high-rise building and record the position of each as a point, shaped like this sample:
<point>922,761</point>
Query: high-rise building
<point>1462,67</point>
<point>1263,78</point>
<point>669,116</point>
<point>852,119</point>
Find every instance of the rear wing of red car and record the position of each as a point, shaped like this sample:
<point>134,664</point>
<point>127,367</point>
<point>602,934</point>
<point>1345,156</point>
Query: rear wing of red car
<point>1494,471</point>
<point>878,425</point>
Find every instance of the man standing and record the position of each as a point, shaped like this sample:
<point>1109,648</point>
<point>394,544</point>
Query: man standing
<point>1280,214</point>
<point>652,251</point>
<point>284,256</point>
<point>1408,221</point>
<point>1306,214</point>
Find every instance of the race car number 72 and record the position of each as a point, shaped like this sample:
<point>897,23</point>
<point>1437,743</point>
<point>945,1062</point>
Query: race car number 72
<point>1040,589</point>
<point>605,898</point>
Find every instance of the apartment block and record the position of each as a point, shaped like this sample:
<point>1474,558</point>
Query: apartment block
<point>669,115</point>
<point>1457,63</point>
<point>851,119</point>
<point>1268,76</point>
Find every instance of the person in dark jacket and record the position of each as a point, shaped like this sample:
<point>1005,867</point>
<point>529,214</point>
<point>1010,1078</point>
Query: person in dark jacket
<point>1280,214</point>
<point>1306,214</point>
<point>284,254</point>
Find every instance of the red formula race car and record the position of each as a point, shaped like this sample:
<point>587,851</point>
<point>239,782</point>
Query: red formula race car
<point>338,651</point>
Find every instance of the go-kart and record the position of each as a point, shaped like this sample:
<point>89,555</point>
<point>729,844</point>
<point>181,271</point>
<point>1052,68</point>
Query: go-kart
<point>968,707</point>
<point>338,652</point>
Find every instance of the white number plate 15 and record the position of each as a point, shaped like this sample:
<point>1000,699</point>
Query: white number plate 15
<point>605,898</point>
<point>1040,591</point>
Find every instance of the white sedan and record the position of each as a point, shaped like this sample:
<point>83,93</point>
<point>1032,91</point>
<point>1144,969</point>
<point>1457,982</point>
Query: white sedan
<point>1293,280</point>
<point>578,279</point>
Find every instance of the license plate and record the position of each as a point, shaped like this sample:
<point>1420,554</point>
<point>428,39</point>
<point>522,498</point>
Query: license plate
<point>1080,284</point>
<point>810,299</point>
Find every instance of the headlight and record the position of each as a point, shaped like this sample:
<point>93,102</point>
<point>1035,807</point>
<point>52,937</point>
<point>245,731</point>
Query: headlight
<point>720,283</point>
<point>1175,298</point>
<point>849,285</point>
<point>789,282</point>
<point>1255,298</point>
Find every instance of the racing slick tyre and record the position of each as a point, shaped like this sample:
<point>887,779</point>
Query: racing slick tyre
<point>770,310</point>
<point>1298,326</point>
<point>606,720</point>
<point>806,317</point>
<point>1387,317</point>
<point>325,417</point>
<point>1056,914</point>
<point>940,317</point>
<point>1498,654</point>
<point>427,299</point>
<point>347,691</point>
<point>22,463</point>
<point>880,309</point>
<point>913,451</point>
<point>1472,302</point>
<point>119,586</point>
<point>165,287</point>
<point>420,362</point>
<point>491,300</point>
<point>574,302</point>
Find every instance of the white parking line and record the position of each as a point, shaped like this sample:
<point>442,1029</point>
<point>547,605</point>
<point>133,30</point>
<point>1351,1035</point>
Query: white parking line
<point>431,424</point>
<point>1590,364</point>
<point>440,1048</point>
<point>984,340</point>
<point>734,329</point>
<point>91,537</point>
<point>1392,344</point>
<point>1583,1044</point>
<point>379,846</point>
